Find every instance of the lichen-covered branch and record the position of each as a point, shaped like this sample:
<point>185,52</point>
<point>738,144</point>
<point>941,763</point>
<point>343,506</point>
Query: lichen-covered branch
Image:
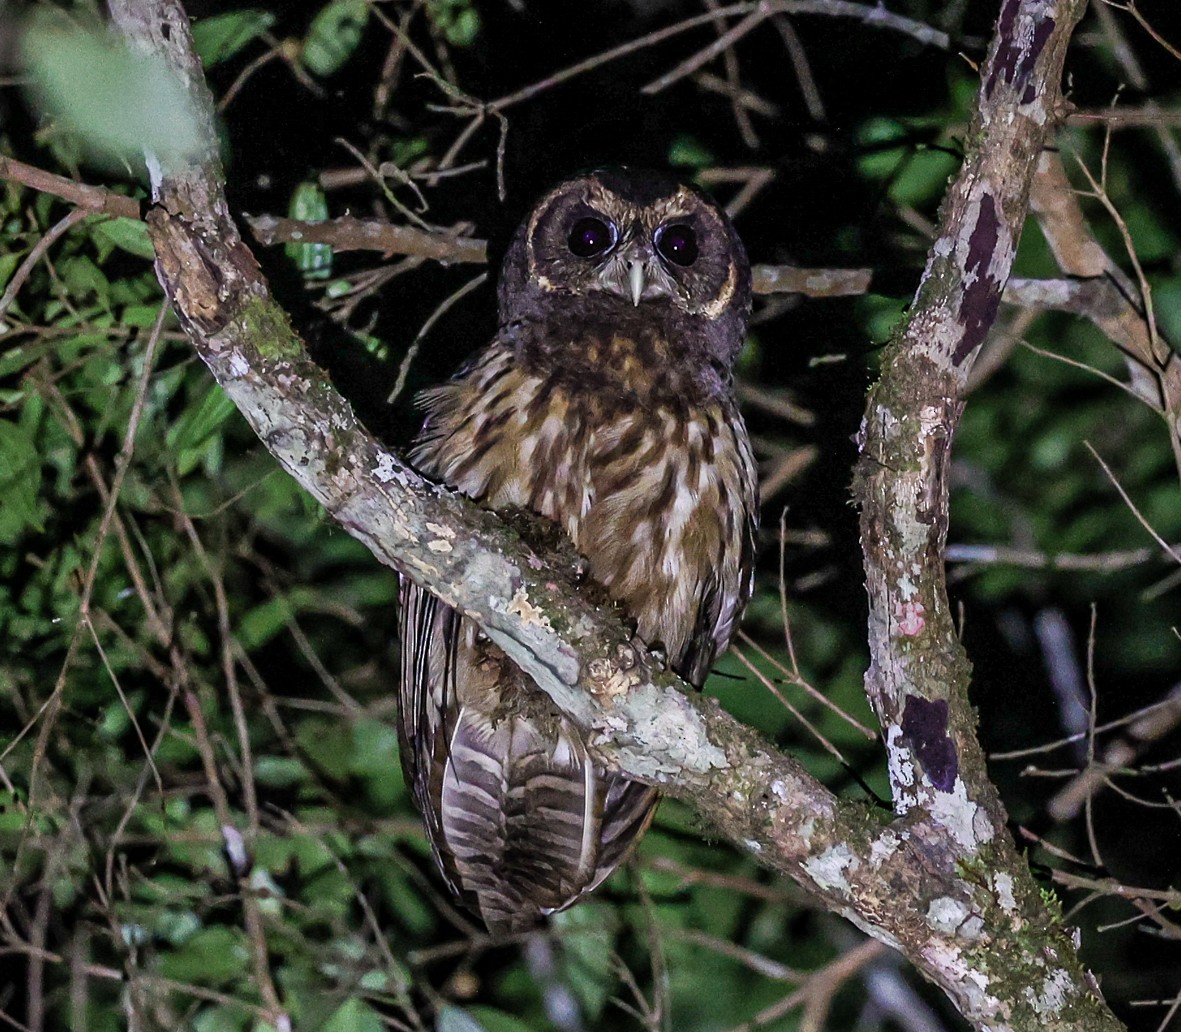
<point>919,674</point>
<point>939,881</point>
<point>918,677</point>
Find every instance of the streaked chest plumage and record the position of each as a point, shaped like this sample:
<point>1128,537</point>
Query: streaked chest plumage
<point>658,494</point>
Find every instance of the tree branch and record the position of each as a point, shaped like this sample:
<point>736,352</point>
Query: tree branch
<point>352,234</point>
<point>1154,371</point>
<point>92,198</point>
<point>941,882</point>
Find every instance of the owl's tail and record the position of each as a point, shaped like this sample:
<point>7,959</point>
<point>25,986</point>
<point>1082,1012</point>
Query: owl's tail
<point>526,821</point>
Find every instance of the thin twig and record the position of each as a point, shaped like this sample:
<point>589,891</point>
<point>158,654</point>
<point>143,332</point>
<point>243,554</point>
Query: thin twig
<point>436,315</point>
<point>48,239</point>
<point>1169,550</point>
<point>687,67</point>
<point>92,198</point>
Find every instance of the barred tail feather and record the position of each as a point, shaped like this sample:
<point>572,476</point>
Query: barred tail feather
<point>530,823</point>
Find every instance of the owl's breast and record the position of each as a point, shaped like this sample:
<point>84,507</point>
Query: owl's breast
<point>658,497</point>
<point>667,531</point>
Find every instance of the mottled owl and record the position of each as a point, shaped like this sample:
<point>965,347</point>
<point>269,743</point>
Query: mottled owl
<point>605,403</point>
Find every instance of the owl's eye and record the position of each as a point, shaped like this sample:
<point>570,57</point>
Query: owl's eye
<point>590,236</point>
<point>677,243</point>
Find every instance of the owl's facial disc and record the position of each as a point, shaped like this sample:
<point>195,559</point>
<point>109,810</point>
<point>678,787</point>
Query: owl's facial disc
<point>635,238</point>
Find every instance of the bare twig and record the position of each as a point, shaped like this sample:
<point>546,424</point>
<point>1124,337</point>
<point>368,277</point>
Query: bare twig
<point>733,84</point>
<point>351,234</point>
<point>412,351</point>
<point>801,66</point>
<point>1001,555</point>
<point>1146,116</point>
<point>874,15</point>
<point>720,45</point>
<point>1145,24</point>
<point>1170,551</point>
<point>37,252</point>
<point>92,198</point>
<point>1154,372</point>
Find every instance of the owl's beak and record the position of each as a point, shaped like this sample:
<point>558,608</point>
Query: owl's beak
<point>633,272</point>
<point>636,280</point>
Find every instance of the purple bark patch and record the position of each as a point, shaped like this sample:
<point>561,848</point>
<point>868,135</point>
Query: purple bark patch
<point>1014,63</point>
<point>1041,36</point>
<point>1007,53</point>
<point>982,295</point>
<point>924,727</point>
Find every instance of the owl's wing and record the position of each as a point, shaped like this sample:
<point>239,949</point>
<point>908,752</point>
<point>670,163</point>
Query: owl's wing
<point>723,598</point>
<point>427,704</point>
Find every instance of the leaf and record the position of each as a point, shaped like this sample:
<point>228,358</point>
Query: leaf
<point>309,204</point>
<point>83,278</point>
<point>264,621</point>
<point>588,933</point>
<point>689,152</point>
<point>455,1019</point>
<point>219,38</point>
<point>199,421</point>
<point>8,264</point>
<point>496,1021</point>
<point>228,1018</point>
<point>353,1016</point>
<point>279,771</point>
<point>211,956</point>
<point>20,482</point>
<point>130,235</point>
<point>328,746</point>
<point>122,105</point>
<point>923,177</point>
<point>457,20</point>
<point>20,356</point>
<point>334,35</point>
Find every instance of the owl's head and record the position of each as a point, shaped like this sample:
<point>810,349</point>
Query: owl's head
<point>634,239</point>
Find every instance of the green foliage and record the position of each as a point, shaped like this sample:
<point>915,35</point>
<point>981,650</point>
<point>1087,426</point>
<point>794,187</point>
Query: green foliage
<point>128,234</point>
<point>220,37</point>
<point>687,152</point>
<point>457,20</point>
<point>308,203</point>
<point>20,482</point>
<point>334,34</point>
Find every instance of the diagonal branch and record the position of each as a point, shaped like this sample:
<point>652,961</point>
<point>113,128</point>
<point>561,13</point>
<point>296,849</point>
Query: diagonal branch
<point>941,882</point>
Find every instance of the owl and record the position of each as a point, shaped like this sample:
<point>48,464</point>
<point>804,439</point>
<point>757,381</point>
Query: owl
<point>604,403</point>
